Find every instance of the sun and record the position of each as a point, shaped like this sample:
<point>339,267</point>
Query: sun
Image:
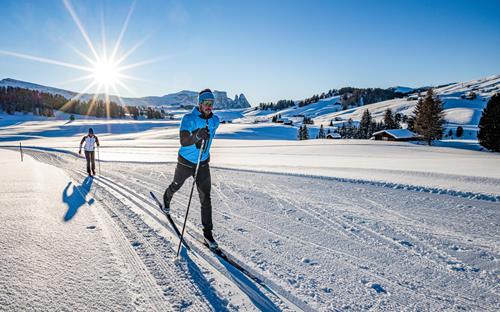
<point>105,69</point>
<point>106,73</point>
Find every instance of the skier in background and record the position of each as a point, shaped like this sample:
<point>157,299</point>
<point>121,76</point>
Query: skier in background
<point>90,141</point>
<point>197,126</point>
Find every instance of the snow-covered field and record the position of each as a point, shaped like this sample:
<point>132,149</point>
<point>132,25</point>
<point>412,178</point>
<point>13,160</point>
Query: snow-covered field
<point>328,225</point>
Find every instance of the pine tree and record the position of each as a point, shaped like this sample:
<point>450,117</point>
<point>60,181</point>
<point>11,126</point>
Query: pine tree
<point>410,121</point>
<point>429,118</point>
<point>321,134</point>
<point>489,125</point>
<point>397,119</point>
<point>305,135</point>
<point>331,123</point>
<point>389,121</point>
<point>365,125</point>
<point>343,131</point>
<point>350,130</point>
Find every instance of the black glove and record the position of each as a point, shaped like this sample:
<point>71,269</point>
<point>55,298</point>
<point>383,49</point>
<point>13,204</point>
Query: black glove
<point>202,134</point>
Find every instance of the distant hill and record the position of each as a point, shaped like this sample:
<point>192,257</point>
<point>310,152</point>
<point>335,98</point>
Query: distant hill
<point>175,100</point>
<point>461,109</point>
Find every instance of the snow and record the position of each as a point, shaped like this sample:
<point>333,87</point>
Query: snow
<point>458,111</point>
<point>321,244</point>
<point>57,252</point>
<point>326,224</point>
<point>274,148</point>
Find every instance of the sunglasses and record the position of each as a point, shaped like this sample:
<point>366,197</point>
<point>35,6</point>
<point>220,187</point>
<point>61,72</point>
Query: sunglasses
<point>207,102</point>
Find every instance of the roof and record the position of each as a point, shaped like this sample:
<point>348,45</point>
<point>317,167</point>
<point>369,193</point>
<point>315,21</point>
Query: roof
<point>333,135</point>
<point>398,133</point>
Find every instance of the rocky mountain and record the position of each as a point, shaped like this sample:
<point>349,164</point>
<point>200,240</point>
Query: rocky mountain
<point>188,98</point>
<point>183,98</point>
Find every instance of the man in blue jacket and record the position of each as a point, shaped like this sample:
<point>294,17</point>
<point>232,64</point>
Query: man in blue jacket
<point>197,126</point>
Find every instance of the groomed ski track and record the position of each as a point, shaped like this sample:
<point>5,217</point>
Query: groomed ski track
<point>319,244</point>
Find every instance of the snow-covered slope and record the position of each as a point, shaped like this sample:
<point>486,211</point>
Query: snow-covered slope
<point>182,98</point>
<point>322,244</point>
<point>330,225</point>
<point>322,107</point>
<point>8,82</point>
<point>458,110</point>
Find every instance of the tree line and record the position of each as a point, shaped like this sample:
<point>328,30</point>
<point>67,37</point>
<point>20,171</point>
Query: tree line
<point>281,104</point>
<point>350,96</point>
<point>15,99</point>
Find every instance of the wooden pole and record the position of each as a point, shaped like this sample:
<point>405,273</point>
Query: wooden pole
<point>21,150</point>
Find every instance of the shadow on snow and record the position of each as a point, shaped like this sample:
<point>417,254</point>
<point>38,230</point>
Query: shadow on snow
<point>77,197</point>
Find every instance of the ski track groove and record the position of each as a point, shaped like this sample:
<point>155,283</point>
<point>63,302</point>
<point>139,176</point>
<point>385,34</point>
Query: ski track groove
<point>137,236</point>
<point>445,256</point>
<point>123,190</point>
<point>198,250</point>
<point>131,257</point>
<point>294,239</point>
<point>166,267</point>
<point>324,218</point>
<point>459,297</point>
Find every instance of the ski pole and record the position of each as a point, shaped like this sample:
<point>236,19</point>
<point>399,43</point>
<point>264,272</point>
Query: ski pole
<point>191,196</point>
<point>21,149</point>
<point>99,159</point>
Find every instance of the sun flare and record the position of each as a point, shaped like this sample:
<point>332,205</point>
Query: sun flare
<point>106,69</point>
<point>106,73</point>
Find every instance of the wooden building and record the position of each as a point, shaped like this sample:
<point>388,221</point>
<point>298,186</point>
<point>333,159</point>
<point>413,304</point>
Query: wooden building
<point>395,135</point>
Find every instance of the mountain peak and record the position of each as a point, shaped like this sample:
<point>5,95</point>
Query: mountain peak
<point>178,99</point>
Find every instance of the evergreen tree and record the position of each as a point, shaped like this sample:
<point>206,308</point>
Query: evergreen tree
<point>397,119</point>
<point>343,131</point>
<point>321,134</point>
<point>410,121</point>
<point>429,118</point>
<point>389,120</point>
<point>349,130</point>
<point>305,135</point>
<point>301,133</point>
<point>365,129</point>
<point>489,125</point>
<point>331,123</point>
<point>460,131</point>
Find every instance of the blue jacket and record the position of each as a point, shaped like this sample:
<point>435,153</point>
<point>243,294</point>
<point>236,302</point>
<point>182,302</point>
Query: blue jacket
<point>192,121</point>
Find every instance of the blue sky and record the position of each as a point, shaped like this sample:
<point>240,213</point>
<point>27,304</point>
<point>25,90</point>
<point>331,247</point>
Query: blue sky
<point>268,50</point>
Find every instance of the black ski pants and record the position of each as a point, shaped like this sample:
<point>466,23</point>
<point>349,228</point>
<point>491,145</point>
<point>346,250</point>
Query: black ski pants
<point>203,184</point>
<point>90,157</point>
